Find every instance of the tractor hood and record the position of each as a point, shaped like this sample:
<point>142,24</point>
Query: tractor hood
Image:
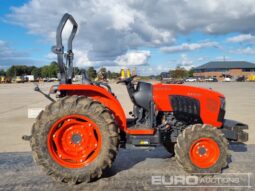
<point>211,104</point>
<point>185,90</point>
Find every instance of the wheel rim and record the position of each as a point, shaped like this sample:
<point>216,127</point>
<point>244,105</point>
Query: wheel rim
<point>74,141</point>
<point>204,152</point>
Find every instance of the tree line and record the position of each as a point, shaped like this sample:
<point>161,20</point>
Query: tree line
<point>51,71</point>
<point>20,70</point>
<point>180,73</point>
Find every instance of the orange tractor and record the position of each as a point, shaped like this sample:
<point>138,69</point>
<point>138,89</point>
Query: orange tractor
<point>76,138</point>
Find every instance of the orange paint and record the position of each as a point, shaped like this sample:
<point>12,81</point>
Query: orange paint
<point>208,156</point>
<point>101,95</point>
<point>74,141</point>
<point>209,100</point>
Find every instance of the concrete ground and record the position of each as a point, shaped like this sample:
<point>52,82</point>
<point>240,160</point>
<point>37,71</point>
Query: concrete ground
<point>16,99</point>
<point>132,170</point>
<point>20,173</point>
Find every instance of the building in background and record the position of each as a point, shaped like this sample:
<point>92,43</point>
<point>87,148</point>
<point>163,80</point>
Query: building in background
<point>223,69</point>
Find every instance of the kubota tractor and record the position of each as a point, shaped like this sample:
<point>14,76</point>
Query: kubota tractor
<point>78,136</point>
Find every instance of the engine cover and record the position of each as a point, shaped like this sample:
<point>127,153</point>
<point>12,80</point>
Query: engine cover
<point>182,99</point>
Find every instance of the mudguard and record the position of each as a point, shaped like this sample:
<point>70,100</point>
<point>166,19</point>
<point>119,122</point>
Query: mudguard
<point>101,95</point>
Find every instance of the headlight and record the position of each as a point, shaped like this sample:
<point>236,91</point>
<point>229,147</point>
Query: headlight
<point>222,103</point>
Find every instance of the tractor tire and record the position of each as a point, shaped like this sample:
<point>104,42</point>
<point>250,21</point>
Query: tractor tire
<point>202,149</point>
<point>75,139</point>
<point>170,147</point>
<point>165,139</point>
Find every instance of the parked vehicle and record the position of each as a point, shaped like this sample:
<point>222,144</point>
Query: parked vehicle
<point>227,79</point>
<point>2,79</point>
<point>251,78</point>
<point>212,79</point>
<point>191,80</point>
<point>5,79</point>
<point>50,79</point>
<point>30,78</point>
<point>241,79</point>
<point>20,79</point>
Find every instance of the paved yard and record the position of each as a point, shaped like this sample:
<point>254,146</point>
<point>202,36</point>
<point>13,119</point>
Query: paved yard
<point>16,99</point>
<point>132,169</point>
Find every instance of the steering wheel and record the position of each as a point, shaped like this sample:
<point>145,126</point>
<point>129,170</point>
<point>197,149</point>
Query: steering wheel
<point>127,80</point>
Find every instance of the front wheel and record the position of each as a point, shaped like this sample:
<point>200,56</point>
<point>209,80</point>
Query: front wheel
<point>75,139</point>
<point>202,149</point>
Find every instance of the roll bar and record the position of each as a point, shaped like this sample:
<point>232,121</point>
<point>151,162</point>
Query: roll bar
<point>66,69</point>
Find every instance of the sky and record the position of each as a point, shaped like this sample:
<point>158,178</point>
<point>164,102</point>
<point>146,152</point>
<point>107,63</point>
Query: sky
<point>151,35</point>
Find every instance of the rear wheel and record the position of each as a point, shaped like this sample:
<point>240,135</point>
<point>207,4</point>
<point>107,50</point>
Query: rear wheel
<point>75,139</point>
<point>202,149</point>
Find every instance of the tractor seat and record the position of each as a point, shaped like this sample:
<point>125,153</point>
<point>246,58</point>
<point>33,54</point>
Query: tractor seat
<point>142,96</point>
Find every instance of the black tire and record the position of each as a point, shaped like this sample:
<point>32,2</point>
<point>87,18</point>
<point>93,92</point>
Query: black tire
<point>83,106</point>
<point>170,147</point>
<point>193,133</point>
<point>167,143</point>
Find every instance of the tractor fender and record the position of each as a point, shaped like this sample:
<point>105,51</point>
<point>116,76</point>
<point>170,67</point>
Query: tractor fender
<point>101,95</point>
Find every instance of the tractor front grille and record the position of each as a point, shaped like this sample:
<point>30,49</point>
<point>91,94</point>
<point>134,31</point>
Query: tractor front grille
<point>221,115</point>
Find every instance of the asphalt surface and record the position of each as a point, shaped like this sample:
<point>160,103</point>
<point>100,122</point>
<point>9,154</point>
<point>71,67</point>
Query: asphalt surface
<point>16,99</point>
<point>132,170</point>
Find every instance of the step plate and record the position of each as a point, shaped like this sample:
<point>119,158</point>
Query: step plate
<point>134,129</point>
<point>142,140</point>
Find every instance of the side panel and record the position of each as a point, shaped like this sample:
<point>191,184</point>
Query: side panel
<point>99,94</point>
<point>209,100</point>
